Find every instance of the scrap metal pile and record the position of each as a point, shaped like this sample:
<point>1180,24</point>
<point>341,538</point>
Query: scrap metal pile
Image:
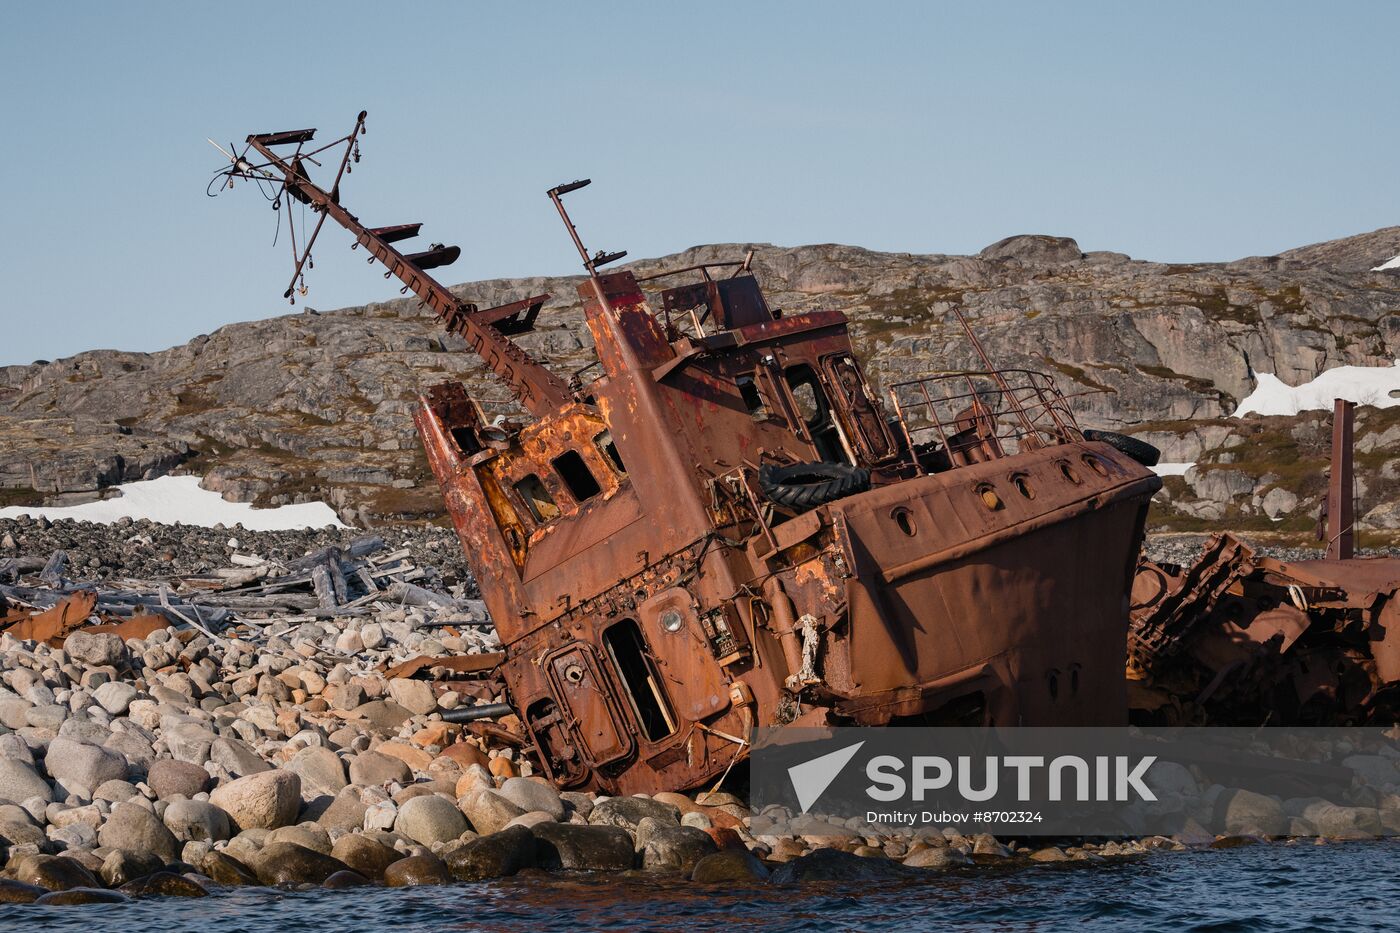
<point>1238,638</point>
<point>359,607</point>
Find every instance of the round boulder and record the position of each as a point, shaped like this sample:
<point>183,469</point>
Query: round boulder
<point>320,769</point>
<point>82,767</point>
<point>164,884</point>
<point>99,650</point>
<point>530,794</point>
<point>498,855</point>
<point>288,863</point>
<point>576,847</point>
<point>196,821</point>
<point>171,778</point>
<point>260,801</point>
<point>82,896</point>
<point>364,855</point>
<point>372,769</point>
<point>628,812</point>
<point>136,829</point>
<point>19,782</point>
<point>430,819</point>
<point>225,869</point>
<point>54,873</point>
<point>417,870</point>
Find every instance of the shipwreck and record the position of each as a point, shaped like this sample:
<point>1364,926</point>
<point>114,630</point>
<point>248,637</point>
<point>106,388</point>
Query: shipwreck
<point>722,525</point>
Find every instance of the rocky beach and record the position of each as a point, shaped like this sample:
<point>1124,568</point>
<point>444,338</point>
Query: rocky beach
<point>249,731</point>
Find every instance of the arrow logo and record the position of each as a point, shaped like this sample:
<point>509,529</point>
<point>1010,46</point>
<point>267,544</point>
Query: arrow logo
<point>811,778</point>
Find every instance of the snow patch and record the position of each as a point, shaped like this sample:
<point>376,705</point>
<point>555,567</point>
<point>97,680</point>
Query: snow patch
<point>1393,264</point>
<point>1378,386</point>
<point>1172,469</point>
<point>169,500</point>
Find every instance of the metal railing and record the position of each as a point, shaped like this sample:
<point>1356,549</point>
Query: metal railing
<point>954,419</point>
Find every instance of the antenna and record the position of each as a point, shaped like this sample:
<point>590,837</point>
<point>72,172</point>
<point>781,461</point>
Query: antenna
<point>600,258</point>
<point>284,178</point>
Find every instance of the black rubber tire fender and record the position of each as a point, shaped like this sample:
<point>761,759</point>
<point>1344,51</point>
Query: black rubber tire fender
<point>808,485</point>
<point>1141,451</point>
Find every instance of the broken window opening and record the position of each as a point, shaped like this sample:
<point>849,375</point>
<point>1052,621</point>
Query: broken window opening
<point>576,475</point>
<point>815,410</point>
<point>537,499</point>
<point>604,442</point>
<point>753,401</point>
<point>632,660</point>
<point>465,439</point>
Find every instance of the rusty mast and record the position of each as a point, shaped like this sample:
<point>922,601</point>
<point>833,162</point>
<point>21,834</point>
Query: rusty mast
<point>727,527</point>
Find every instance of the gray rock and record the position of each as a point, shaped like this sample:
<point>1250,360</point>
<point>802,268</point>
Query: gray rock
<point>628,812</point>
<point>137,829</point>
<point>371,769</point>
<point>115,791</point>
<point>190,742</point>
<point>115,696</point>
<point>498,855</point>
<point>529,794</point>
<point>288,863</point>
<point>98,650</point>
<point>365,855</point>
<point>14,747</point>
<point>416,696</point>
<point>320,769</point>
<point>942,857</point>
<point>12,712</point>
<point>19,781</point>
<point>307,835</point>
<point>417,870</point>
<point>346,812</point>
<point>121,866</point>
<point>488,811</point>
<point>196,821</point>
<point>49,716</point>
<point>668,847</point>
<point>836,865</point>
<point>54,873</point>
<point>430,819</point>
<point>577,847</point>
<point>81,768</point>
<point>1245,812</point>
<point>171,778</point>
<point>1376,770</point>
<point>264,801</point>
<point>236,757</point>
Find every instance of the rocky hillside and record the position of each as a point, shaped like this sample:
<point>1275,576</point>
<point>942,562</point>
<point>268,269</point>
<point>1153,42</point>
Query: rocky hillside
<point>317,405</point>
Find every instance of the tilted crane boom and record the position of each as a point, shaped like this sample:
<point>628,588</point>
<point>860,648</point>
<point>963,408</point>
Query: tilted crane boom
<point>534,386</point>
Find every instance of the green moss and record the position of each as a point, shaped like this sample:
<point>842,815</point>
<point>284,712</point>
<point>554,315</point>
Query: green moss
<point>1077,374</point>
<point>1196,384</point>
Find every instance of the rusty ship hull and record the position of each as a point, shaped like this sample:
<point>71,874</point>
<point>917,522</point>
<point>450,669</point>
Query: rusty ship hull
<point>721,525</point>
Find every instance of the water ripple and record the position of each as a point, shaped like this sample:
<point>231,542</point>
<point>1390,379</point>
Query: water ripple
<point>1237,891</point>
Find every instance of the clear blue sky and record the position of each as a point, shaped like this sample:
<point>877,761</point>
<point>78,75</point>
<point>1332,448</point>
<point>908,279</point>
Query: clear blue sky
<point>1170,131</point>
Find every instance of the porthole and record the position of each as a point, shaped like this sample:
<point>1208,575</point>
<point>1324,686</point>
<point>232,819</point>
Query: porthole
<point>1069,473</point>
<point>671,621</point>
<point>1095,464</point>
<point>989,498</point>
<point>573,674</point>
<point>1074,681</point>
<point>1054,683</point>
<point>1022,483</point>
<point>905,520</point>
